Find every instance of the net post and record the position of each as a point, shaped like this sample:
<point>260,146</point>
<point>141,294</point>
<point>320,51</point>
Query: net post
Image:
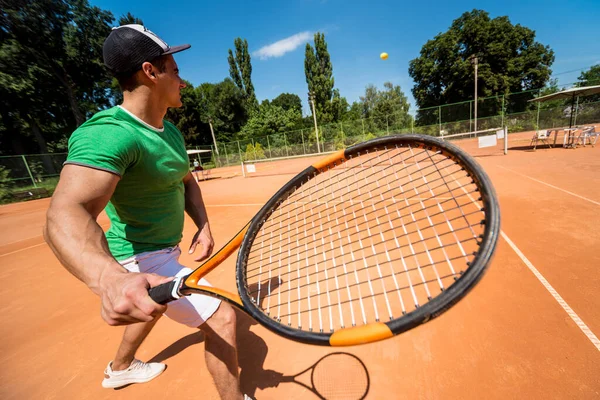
<point>505,140</point>
<point>243,169</point>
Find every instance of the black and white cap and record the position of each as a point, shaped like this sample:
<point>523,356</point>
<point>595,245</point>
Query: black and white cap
<point>129,46</point>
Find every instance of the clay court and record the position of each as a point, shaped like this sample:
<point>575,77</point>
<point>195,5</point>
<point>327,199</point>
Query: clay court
<point>528,330</point>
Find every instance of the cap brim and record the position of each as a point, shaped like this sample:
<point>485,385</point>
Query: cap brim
<point>177,49</point>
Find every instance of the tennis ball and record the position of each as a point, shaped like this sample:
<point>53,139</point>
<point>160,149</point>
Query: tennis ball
<point>383,56</point>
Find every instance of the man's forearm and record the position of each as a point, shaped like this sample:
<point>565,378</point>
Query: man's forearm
<point>194,205</point>
<point>79,243</point>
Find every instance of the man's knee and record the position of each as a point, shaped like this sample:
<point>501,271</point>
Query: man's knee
<point>223,319</point>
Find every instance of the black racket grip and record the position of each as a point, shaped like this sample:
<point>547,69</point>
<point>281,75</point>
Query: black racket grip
<point>164,293</point>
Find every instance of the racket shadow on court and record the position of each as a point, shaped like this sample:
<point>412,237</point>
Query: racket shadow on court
<point>337,375</point>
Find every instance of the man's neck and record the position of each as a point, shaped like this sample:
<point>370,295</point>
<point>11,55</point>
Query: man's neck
<point>142,105</point>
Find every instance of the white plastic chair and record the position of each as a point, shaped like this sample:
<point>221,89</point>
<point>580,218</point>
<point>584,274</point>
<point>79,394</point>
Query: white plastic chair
<point>542,136</point>
<point>590,134</point>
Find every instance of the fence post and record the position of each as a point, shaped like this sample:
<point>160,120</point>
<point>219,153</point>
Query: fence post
<point>226,157</point>
<point>502,110</point>
<point>240,151</point>
<point>576,111</point>
<point>302,137</point>
<point>363,125</point>
<point>412,125</point>
<point>269,146</point>
<point>440,118</point>
<point>287,153</point>
<point>387,125</point>
<point>28,171</point>
<point>470,117</point>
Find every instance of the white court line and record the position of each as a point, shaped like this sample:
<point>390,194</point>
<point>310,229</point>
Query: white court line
<point>584,328</point>
<point>552,186</point>
<point>26,248</point>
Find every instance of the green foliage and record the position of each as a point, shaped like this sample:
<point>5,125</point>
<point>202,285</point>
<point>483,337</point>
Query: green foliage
<point>270,119</point>
<point>129,19</point>
<point>51,72</point>
<point>187,118</point>
<point>254,152</point>
<point>222,104</point>
<point>591,77</point>
<point>319,77</point>
<point>240,70</point>
<point>386,109</point>
<point>509,58</point>
<point>4,182</point>
<point>287,101</point>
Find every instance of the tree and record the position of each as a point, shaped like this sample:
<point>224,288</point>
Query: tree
<point>240,70</point>
<point>319,77</point>
<point>269,120</point>
<point>287,101</point>
<point>509,58</point>
<point>187,118</point>
<point>223,105</point>
<point>51,68</point>
<point>129,19</point>
<point>591,77</point>
<point>386,109</point>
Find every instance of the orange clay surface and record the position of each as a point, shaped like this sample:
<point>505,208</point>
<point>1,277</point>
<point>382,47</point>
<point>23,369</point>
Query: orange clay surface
<point>508,339</point>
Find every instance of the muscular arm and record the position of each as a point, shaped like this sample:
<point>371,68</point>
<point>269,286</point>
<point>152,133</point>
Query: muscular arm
<point>79,243</point>
<point>194,206</point>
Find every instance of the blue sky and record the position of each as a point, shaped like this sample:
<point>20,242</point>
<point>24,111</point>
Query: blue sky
<point>356,33</point>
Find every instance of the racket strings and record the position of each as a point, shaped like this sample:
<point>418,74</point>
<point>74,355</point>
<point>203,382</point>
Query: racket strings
<point>442,195</point>
<point>331,236</point>
<point>301,198</point>
<point>366,238</point>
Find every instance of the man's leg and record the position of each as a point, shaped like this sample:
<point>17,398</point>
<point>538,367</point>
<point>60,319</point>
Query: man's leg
<point>221,352</point>
<point>132,340</point>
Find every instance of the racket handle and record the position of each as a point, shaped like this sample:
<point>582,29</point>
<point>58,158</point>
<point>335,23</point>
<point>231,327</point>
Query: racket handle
<point>165,293</point>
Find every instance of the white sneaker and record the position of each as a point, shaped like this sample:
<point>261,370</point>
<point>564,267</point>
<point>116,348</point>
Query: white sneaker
<point>138,372</point>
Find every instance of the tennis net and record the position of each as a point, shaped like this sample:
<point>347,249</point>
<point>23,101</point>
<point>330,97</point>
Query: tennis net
<point>487,142</point>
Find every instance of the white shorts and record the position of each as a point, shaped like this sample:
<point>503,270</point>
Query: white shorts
<point>191,310</point>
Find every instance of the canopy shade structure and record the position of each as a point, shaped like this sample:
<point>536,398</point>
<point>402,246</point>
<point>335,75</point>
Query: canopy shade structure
<point>570,94</point>
<point>197,151</point>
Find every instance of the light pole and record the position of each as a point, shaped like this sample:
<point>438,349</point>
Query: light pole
<point>475,61</point>
<point>213,135</point>
<point>311,98</point>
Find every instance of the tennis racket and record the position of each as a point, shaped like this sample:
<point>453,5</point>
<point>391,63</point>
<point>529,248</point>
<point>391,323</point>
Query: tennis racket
<point>365,244</point>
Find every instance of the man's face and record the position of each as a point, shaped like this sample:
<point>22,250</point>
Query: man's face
<point>170,84</point>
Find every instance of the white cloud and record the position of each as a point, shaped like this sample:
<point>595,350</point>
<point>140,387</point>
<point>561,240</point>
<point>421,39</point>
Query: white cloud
<point>283,46</point>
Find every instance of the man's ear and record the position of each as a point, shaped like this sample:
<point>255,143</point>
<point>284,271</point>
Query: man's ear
<point>149,70</point>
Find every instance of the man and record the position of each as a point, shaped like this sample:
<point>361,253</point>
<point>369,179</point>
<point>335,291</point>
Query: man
<point>131,161</point>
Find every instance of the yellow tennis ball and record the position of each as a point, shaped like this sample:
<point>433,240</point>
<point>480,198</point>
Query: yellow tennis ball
<point>384,56</point>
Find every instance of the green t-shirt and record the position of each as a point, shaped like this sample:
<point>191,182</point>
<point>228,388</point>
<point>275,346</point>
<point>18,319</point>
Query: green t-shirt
<point>146,210</point>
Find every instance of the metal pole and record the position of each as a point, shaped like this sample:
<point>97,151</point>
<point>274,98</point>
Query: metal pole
<point>363,125</point>
<point>537,121</point>
<point>213,135</point>
<point>302,137</point>
<point>29,171</point>
<point>440,118</point>
<point>287,153</point>
<point>312,100</point>
<point>505,140</point>
<point>470,117</point>
<point>502,110</point>
<point>412,125</point>
<point>387,125</point>
<point>475,94</point>
<point>576,110</point>
<point>240,151</point>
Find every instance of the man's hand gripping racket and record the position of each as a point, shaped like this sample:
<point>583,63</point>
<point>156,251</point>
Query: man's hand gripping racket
<point>365,244</point>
